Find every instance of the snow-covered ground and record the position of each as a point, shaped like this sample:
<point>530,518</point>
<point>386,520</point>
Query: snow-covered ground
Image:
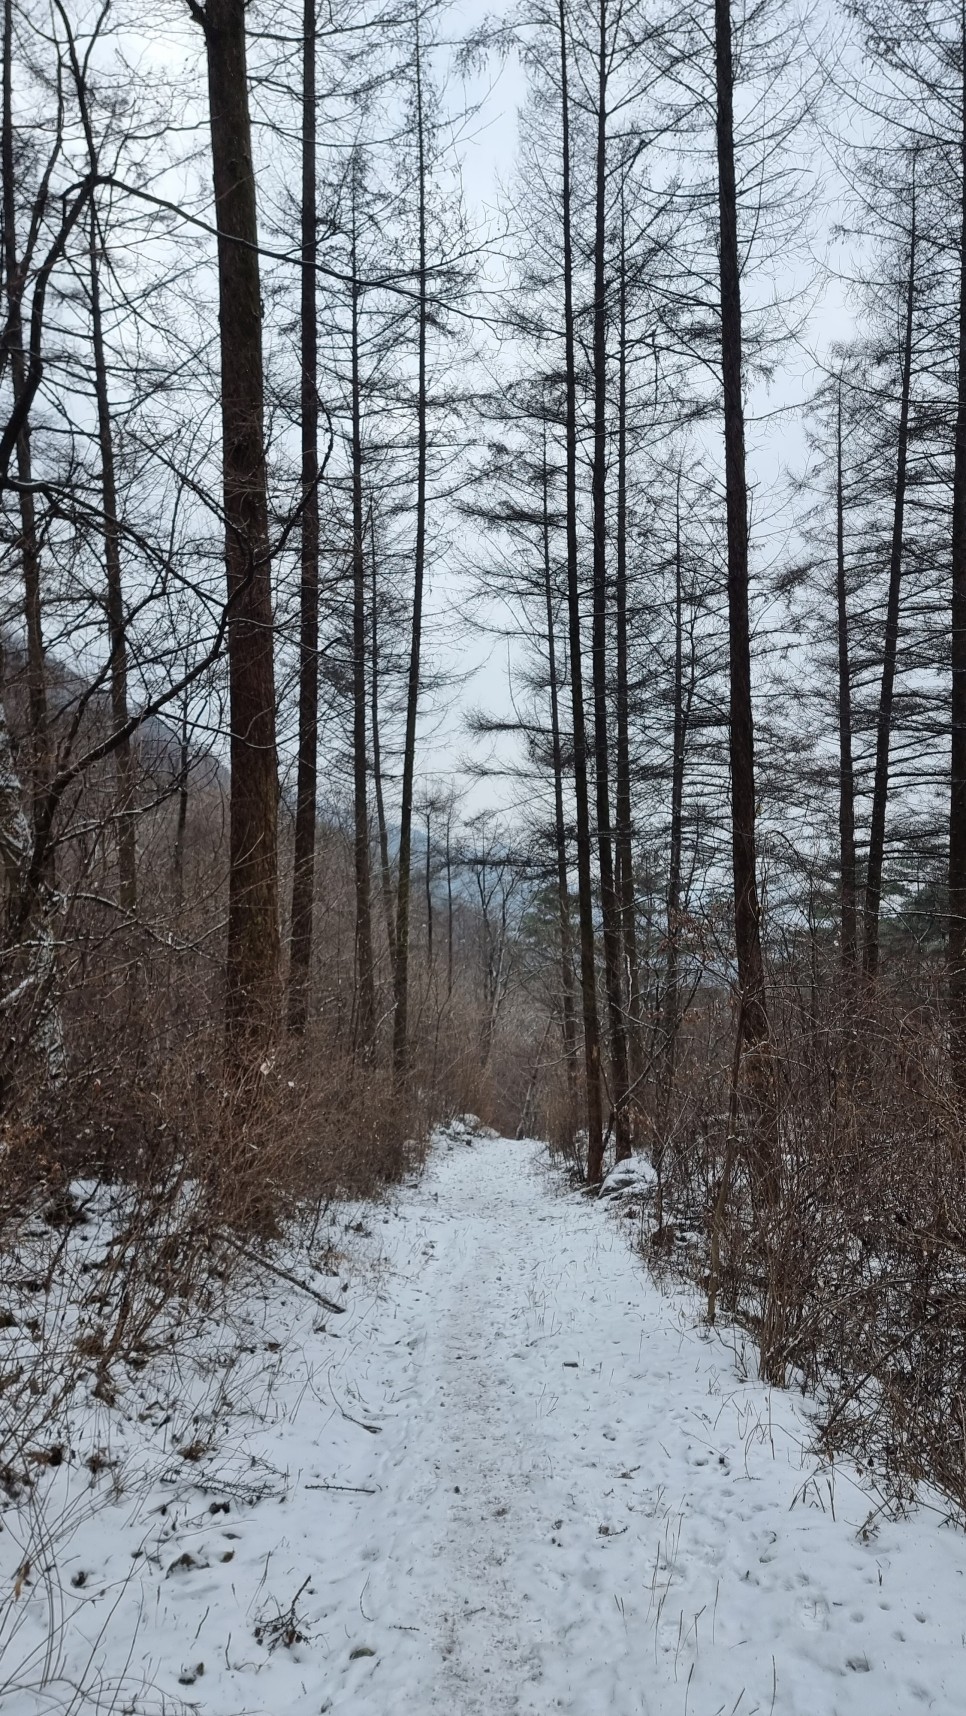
<point>516,1477</point>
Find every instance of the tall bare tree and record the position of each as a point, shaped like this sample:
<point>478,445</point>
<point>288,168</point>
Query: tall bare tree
<point>303,866</point>
<point>880,789</point>
<point>29,544</point>
<point>404,876</point>
<point>252,976</point>
<point>847,859</point>
<point>116,621</point>
<point>585,896</point>
<point>610,905</point>
<point>366,1011</point>
<point>753,1014</point>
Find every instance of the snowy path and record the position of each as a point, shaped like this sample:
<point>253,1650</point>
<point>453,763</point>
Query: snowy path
<point>565,1499</point>
<point>585,1510</point>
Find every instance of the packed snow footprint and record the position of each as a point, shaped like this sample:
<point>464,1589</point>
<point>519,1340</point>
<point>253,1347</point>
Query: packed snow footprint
<point>523,1480</point>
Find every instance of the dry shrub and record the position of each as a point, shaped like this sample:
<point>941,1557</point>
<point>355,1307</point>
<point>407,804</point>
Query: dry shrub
<point>308,1125</point>
<point>309,1121</point>
<point>173,1169</point>
<point>855,1282</point>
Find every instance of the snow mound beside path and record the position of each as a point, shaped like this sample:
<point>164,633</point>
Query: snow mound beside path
<point>632,1178</point>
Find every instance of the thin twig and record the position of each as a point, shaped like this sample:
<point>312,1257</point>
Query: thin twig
<point>352,1489</point>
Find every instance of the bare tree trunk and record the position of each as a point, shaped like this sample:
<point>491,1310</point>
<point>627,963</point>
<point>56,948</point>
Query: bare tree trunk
<point>429,896</point>
<point>609,905</point>
<point>31,1021</point>
<point>184,759</point>
<point>449,904</point>
<point>28,545</point>
<point>847,867</point>
<point>560,827</point>
<point>116,623</point>
<point>252,979</point>
<point>880,790</point>
<point>626,889</point>
<point>385,867</point>
<point>401,972</point>
<point>15,833</point>
<point>671,1002</point>
<point>363,880</point>
<point>752,1010</point>
<point>15,847</point>
<point>956,946</point>
<point>306,791</point>
<point>585,896</point>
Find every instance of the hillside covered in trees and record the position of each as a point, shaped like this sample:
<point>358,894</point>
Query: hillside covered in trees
<point>483,631</point>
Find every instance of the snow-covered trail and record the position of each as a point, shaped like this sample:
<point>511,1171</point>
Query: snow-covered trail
<point>583,1508</point>
<point>516,1478</point>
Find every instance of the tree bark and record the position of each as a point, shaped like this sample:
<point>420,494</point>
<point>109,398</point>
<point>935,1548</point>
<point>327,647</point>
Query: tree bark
<point>252,976</point>
<point>585,897</point>
<point>306,791</point>
<point>31,1020</point>
<point>880,789</point>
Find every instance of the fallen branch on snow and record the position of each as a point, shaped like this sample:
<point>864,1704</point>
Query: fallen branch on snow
<point>284,1274</point>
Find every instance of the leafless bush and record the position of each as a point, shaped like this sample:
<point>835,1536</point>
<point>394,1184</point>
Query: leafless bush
<point>855,1282</point>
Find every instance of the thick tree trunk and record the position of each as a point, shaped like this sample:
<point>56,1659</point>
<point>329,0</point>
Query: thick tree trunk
<point>306,791</point>
<point>585,896</point>
<point>116,624</point>
<point>956,946</point>
<point>28,545</point>
<point>252,978</point>
<point>847,867</point>
<point>31,1021</point>
<point>366,1001</point>
<point>880,789</point>
<point>753,1015</point>
<point>401,971</point>
<point>569,1020</point>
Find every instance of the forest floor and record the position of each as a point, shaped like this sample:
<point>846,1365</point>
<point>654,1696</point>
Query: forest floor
<point>518,1476</point>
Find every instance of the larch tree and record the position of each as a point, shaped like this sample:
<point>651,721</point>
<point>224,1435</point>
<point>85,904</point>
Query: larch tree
<point>253,951</point>
<point>306,792</point>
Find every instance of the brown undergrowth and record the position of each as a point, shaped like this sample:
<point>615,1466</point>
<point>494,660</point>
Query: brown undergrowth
<point>854,1282</point>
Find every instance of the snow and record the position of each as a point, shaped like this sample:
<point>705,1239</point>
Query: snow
<point>516,1477</point>
<point>634,1176</point>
